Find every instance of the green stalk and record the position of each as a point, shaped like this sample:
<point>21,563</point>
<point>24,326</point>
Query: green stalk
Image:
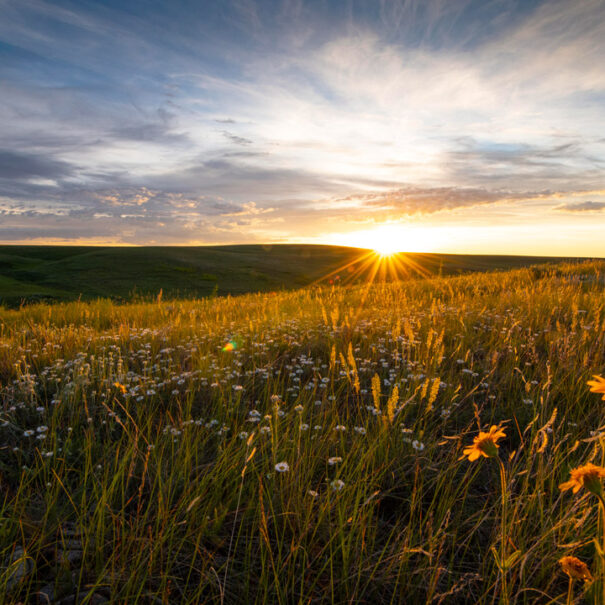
<point>503,552</point>
<point>601,556</point>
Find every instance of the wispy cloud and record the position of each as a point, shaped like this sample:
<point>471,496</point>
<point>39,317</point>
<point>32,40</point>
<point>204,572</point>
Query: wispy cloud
<point>582,207</point>
<point>412,200</point>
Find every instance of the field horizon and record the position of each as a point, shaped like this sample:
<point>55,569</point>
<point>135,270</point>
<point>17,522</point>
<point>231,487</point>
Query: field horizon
<point>62,273</point>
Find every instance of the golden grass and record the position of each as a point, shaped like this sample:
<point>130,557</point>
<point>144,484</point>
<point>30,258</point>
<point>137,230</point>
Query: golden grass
<point>141,444</point>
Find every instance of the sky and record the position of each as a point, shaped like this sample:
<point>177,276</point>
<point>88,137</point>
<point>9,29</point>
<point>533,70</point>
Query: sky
<point>466,126</point>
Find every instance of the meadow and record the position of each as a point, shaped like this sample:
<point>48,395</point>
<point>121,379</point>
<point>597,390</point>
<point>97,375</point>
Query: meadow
<point>30,274</point>
<point>306,446</point>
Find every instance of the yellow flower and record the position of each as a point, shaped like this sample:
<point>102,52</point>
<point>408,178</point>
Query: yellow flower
<point>597,385</point>
<point>575,568</point>
<point>485,444</point>
<point>588,476</point>
<point>120,387</point>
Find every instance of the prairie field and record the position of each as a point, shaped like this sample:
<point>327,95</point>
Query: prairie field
<point>306,446</point>
<point>65,273</point>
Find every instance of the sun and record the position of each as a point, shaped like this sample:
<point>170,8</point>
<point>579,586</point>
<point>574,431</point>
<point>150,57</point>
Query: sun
<point>391,239</point>
<point>383,254</point>
<point>386,248</point>
<point>385,240</point>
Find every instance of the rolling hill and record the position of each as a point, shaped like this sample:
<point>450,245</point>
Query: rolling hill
<point>59,273</point>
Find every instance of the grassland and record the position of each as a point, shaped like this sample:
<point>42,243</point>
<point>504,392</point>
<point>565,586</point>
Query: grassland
<point>62,273</point>
<point>304,446</point>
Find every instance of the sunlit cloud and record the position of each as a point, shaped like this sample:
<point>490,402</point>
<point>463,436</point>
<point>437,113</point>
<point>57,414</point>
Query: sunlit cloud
<point>582,207</point>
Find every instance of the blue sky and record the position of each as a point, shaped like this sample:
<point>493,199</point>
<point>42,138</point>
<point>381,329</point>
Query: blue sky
<point>451,125</point>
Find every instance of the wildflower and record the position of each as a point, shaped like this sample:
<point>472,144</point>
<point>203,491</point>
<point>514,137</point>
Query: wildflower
<point>485,444</point>
<point>120,387</point>
<point>417,445</point>
<point>313,493</point>
<point>597,385</point>
<point>282,467</point>
<point>575,568</point>
<point>588,476</point>
<point>340,427</point>
<point>299,409</point>
<point>334,460</point>
<point>359,429</point>
<point>28,433</point>
<point>337,485</point>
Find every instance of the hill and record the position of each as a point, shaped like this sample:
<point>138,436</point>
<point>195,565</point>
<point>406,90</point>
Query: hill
<point>61,273</point>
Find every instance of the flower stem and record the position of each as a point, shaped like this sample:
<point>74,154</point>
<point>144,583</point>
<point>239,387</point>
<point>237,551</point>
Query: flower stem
<point>601,557</point>
<point>503,530</point>
<point>569,600</point>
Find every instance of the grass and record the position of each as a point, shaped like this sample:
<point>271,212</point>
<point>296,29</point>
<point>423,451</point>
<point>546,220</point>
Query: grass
<point>55,273</point>
<point>138,458</point>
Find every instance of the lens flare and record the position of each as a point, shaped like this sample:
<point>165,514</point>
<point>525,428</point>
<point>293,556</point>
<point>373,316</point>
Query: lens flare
<point>230,346</point>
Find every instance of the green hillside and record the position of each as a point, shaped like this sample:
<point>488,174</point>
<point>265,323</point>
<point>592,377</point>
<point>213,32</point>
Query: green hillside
<point>48,273</point>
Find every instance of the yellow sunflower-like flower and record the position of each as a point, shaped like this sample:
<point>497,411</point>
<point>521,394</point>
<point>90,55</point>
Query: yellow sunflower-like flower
<point>597,385</point>
<point>576,569</point>
<point>485,444</point>
<point>588,476</point>
<point>120,387</point>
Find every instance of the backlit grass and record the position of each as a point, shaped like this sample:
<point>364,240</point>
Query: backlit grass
<point>305,446</point>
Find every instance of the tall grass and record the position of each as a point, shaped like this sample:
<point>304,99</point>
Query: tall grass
<point>150,471</point>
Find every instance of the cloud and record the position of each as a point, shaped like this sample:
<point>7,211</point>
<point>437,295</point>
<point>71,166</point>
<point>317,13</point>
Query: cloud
<point>148,132</point>
<point>236,139</point>
<point>17,165</point>
<point>581,207</point>
<point>416,200</point>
